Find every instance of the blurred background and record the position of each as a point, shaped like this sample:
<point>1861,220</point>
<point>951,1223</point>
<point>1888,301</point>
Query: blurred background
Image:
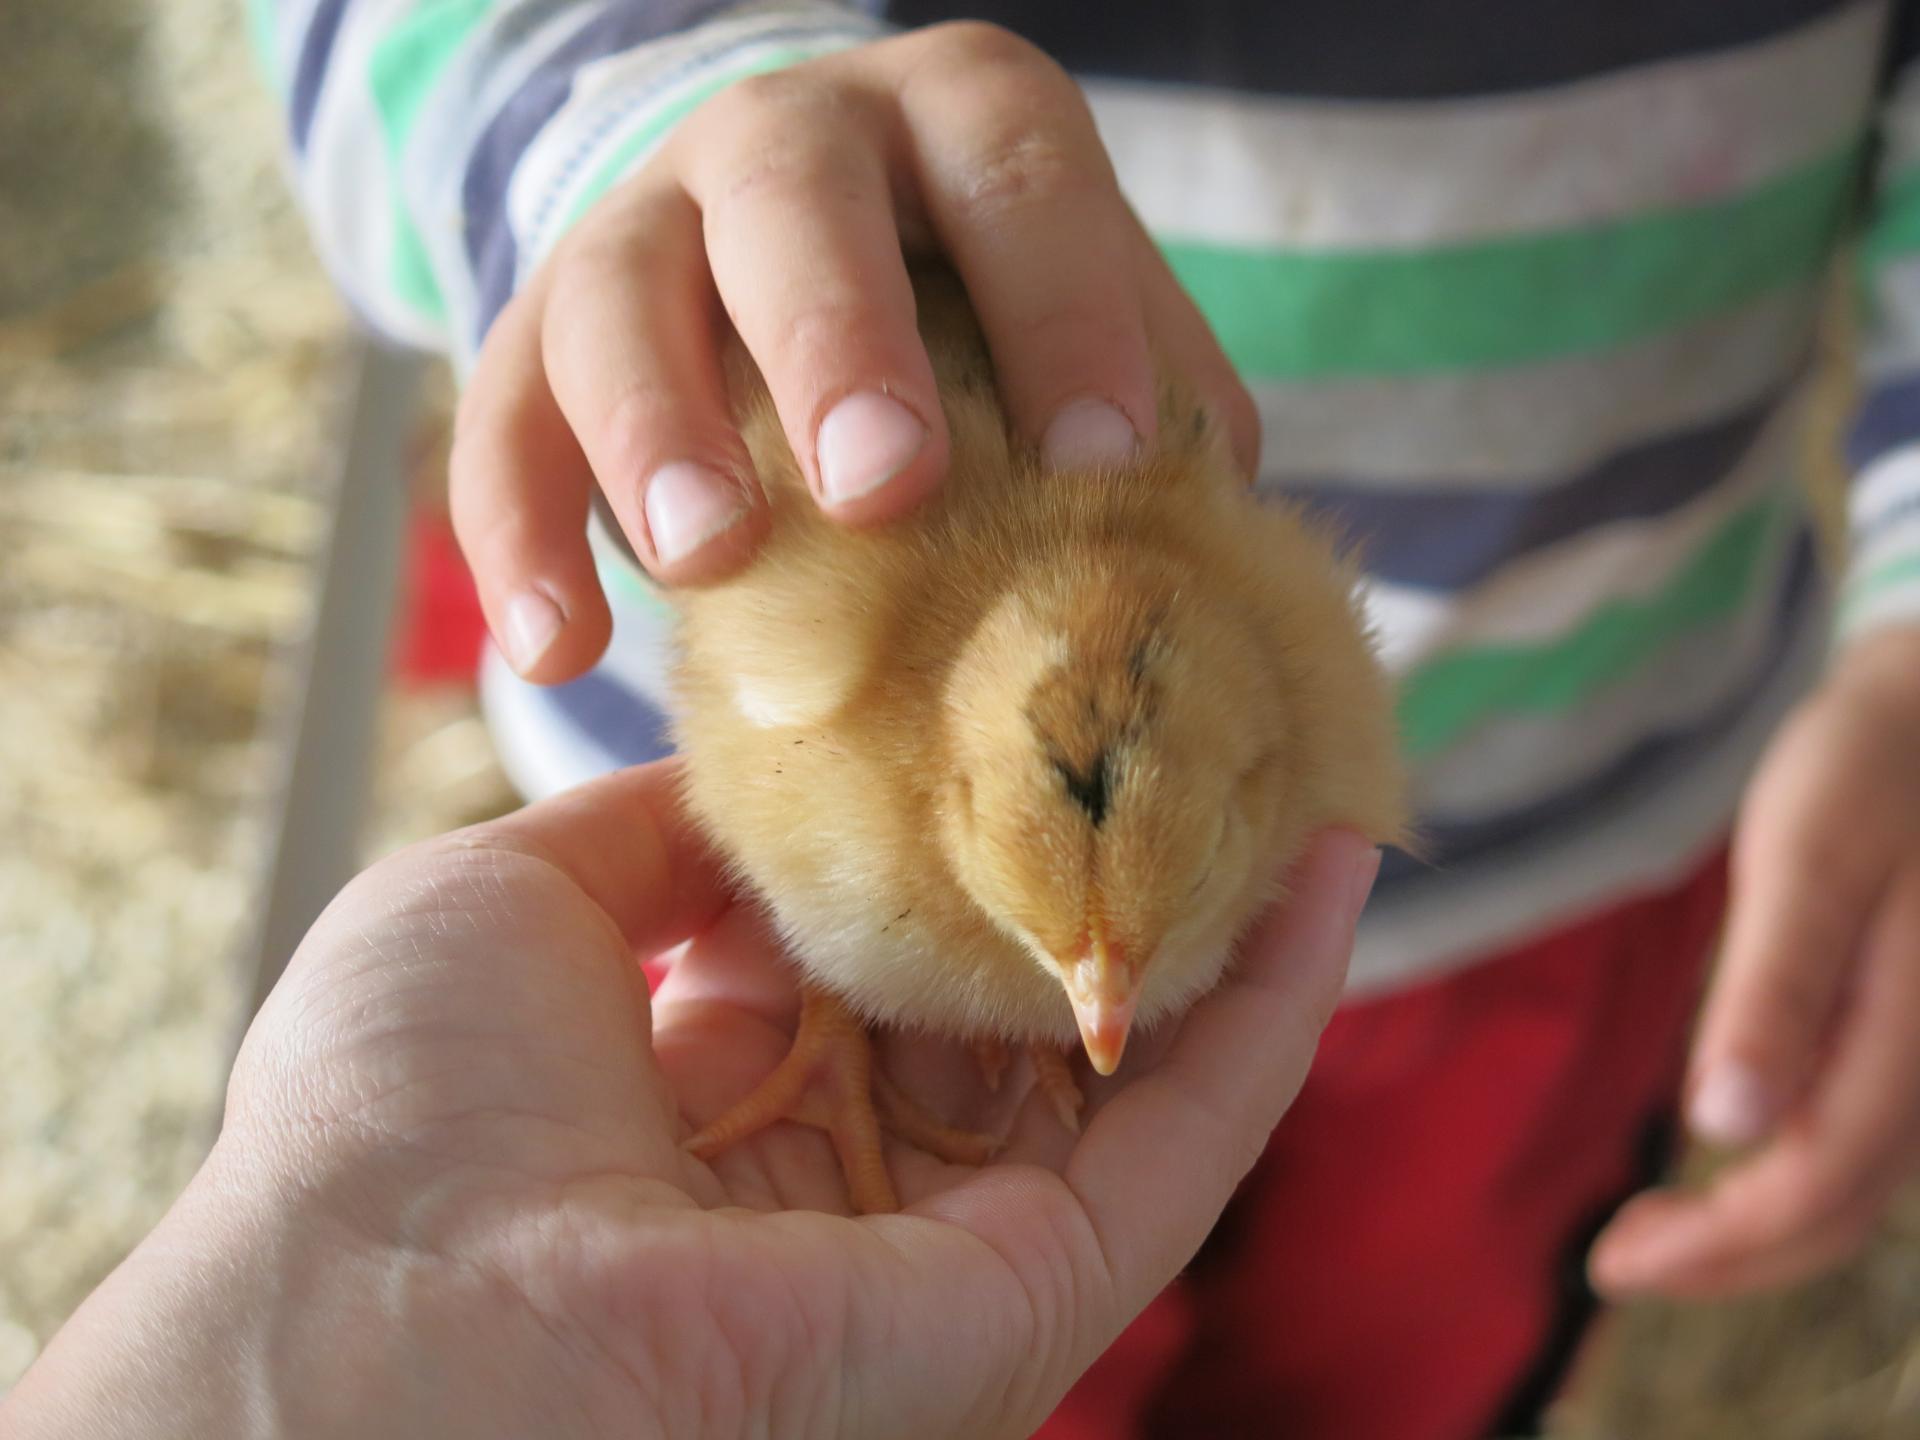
<point>176,387</point>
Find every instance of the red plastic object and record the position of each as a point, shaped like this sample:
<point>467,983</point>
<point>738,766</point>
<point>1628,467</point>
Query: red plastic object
<point>441,629</point>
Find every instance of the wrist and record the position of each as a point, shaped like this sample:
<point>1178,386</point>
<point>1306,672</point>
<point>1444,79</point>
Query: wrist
<point>236,1316</point>
<point>1882,666</point>
<point>256,1307</point>
<point>168,1345</point>
<point>702,61</point>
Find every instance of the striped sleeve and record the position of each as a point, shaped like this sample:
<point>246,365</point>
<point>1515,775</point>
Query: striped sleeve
<point>442,147</point>
<point>1882,585</point>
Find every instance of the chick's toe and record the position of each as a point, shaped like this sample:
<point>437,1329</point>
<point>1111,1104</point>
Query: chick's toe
<point>918,1126</point>
<point>1053,1078</point>
<point>828,1080</point>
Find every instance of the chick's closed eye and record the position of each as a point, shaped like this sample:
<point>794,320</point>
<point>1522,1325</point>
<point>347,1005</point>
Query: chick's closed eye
<point>1117,781</point>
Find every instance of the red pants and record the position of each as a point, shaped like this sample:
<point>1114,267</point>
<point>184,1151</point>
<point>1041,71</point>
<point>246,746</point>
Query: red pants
<point>1405,1262</point>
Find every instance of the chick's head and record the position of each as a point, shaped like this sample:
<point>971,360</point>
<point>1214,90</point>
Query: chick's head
<point>1116,786</point>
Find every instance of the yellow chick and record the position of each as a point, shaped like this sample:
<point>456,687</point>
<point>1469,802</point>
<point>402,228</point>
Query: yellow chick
<point>1020,768</point>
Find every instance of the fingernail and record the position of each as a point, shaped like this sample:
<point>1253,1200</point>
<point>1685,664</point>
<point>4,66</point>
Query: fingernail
<point>1365,871</point>
<point>866,440</point>
<point>1089,432</point>
<point>532,622</point>
<point>687,505</point>
<point>1731,1106</point>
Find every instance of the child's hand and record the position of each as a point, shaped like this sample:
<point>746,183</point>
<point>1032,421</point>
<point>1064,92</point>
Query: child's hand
<point>782,204</point>
<point>1811,1036</point>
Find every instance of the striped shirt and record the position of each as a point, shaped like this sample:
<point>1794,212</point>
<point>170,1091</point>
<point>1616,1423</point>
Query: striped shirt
<point>1526,294</point>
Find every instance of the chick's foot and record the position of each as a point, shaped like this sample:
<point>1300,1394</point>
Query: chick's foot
<point>916,1125</point>
<point>991,1056</point>
<point>828,1080</point>
<point>825,1080</point>
<point>1053,1078</point>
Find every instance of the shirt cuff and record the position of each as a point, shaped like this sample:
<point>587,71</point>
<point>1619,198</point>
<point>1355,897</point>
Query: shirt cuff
<point>1882,581</point>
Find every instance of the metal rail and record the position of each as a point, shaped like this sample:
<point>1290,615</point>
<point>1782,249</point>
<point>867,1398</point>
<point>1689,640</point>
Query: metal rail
<point>329,724</point>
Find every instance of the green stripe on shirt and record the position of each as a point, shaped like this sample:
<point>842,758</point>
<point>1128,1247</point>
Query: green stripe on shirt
<point>1297,315</point>
<point>1454,692</point>
<point>263,36</point>
<point>401,74</point>
<point>1870,584</point>
<point>631,583</point>
<point>1895,232</point>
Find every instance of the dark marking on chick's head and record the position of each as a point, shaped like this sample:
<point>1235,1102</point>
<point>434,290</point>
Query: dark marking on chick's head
<point>1088,787</point>
<point>1094,710</point>
<point>1137,662</point>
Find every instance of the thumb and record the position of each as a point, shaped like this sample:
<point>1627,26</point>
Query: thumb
<point>1805,879</point>
<point>627,842</point>
<point>1161,1160</point>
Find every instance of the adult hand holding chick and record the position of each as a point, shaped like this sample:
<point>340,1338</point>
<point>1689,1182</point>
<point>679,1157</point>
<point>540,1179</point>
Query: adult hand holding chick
<point>450,1197</point>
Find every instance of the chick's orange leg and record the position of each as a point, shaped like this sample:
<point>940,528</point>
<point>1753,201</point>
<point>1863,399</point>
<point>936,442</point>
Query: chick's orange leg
<point>991,1056</point>
<point>918,1126</point>
<point>1053,1078</point>
<point>826,1080</point>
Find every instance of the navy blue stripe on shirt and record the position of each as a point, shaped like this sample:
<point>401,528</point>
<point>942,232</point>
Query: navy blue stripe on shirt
<point>1651,762</point>
<point>483,189</point>
<point>1374,49</point>
<point>1888,420</point>
<point>1448,537</point>
<point>627,726</point>
<point>310,71</point>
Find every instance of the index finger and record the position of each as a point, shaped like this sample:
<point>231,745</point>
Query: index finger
<point>1019,190</point>
<point>627,841</point>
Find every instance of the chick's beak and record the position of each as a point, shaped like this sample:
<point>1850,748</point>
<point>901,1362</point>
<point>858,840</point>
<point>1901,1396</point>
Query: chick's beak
<point>1102,990</point>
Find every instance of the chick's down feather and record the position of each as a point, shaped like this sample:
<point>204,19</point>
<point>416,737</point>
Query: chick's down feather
<point>1023,765</point>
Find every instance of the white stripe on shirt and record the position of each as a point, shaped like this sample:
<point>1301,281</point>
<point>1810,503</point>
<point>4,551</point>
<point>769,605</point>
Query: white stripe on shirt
<point>1535,423</point>
<point>1267,173</point>
<point>348,181</point>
